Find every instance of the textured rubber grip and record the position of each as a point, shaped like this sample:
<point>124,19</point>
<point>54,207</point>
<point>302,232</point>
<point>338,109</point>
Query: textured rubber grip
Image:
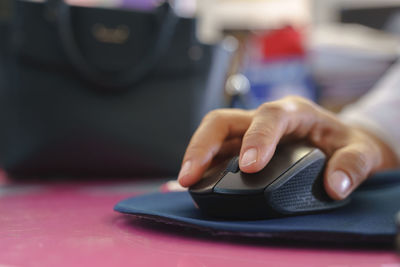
<point>302,191</point>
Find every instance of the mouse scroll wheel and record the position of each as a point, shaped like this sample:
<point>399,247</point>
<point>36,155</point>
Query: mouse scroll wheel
<point>233,165</point>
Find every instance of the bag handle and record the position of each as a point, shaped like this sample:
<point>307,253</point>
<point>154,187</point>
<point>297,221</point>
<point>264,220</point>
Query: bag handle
<point>124,78</point>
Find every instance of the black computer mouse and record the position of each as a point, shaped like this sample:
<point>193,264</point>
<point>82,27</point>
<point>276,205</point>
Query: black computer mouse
<point>290,184</point>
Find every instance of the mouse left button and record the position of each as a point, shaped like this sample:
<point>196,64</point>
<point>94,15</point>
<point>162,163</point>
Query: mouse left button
<point>209,180</point>
<point>205,185</point>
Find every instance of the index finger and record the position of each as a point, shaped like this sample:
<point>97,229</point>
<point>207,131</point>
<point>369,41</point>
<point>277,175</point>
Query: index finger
<point>215,128</point>
<point>291,116</point>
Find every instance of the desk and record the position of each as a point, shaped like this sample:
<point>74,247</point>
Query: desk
<point>73,224</point>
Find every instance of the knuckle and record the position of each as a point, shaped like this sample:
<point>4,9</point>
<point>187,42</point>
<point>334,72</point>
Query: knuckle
<point>298,103</point>
<point>215,115</point>
<point>358,161</point>
<point>272,108</point>
<point>296,99</point>
<point>286,105</point>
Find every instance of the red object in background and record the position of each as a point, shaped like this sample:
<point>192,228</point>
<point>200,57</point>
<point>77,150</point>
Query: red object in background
<point>282,43</point>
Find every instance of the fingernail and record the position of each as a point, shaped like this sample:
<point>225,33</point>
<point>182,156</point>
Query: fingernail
<point>172,186</point>
<point>340,183</point>
<point>249,157</point>
<point>185,170</point>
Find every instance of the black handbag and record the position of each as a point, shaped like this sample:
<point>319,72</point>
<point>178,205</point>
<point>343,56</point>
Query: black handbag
<point>101,92</point>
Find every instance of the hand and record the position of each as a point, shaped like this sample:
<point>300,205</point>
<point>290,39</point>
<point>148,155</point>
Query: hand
<point>353,153</point>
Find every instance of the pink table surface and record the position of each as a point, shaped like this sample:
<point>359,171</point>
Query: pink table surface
<point>73,224</point>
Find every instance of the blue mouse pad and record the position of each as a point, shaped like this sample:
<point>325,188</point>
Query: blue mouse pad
<point>369,218</point>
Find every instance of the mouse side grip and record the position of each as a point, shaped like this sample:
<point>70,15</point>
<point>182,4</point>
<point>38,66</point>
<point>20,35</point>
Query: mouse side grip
<point>302,190</point>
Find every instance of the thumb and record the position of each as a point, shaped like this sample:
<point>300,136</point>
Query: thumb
<point>347,168</point>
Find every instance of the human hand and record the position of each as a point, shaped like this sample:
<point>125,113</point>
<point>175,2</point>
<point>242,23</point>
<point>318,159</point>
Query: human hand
<point>353,154</point>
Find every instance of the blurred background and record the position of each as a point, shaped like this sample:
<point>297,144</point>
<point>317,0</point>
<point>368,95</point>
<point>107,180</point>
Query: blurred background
<point>331,51</point>
<point>250,52</point>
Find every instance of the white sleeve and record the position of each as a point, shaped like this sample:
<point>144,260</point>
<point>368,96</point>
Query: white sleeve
<point>379,110</point>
